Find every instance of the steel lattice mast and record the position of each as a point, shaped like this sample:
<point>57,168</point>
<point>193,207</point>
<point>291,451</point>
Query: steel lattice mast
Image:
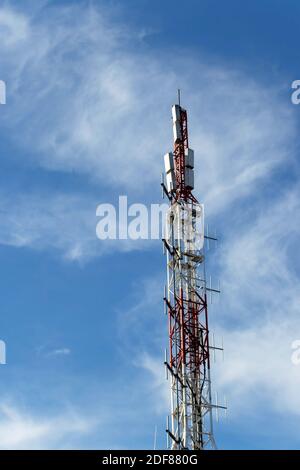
<point>190,425</point>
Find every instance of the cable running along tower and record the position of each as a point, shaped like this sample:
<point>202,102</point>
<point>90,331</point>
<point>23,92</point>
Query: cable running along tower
<point>190,424</point>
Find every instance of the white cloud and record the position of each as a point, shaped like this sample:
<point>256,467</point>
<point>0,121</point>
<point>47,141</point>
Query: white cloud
<point>43,222</point>
<point>261,314</point>
<point>83,100</point>
<point>14,28</point>
<point>60,352</point>
<point>81,411</point>
<point>20,429</point>
<point>62,222</point>
<point>108,106</point>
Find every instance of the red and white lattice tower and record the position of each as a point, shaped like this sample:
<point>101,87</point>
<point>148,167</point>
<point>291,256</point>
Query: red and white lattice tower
<point>190,424</point>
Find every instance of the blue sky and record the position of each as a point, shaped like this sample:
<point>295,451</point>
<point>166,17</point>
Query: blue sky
<point>89,91</point>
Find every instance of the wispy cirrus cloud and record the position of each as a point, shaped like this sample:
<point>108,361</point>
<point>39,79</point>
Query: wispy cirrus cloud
<point>105,101</point>
<point>22,429</point>
<point>260,272</point>
<point>60,352</point>
<point>42,222</point>
<point>84,99</point>
<point>63,223</point>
